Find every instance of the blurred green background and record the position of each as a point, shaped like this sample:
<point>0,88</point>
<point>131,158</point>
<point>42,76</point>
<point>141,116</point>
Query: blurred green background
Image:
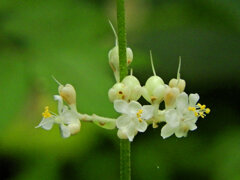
<point>70,39</point>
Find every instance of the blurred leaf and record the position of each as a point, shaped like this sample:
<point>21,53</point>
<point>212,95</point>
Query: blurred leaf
<point>13,89</point>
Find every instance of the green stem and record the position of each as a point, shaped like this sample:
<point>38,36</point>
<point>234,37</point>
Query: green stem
<point>125,163</point>
<point>121,39</point>
<point>125,159</point>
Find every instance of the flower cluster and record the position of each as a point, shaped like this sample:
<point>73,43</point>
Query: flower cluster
<point>180,114</point>
<point>67,117</point>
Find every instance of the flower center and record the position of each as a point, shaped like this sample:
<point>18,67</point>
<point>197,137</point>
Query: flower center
<point>199,110</point>
<point>139,114</point>
<point>46,113</point>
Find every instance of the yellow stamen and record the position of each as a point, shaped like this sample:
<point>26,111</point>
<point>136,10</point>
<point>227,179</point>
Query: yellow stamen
<point>199,110</point>
<point>46,113</point>
<point>203,107</point>
<point>196,114</point>
<point>191,108</point>
<point>201,114</point>
<point>139,114</point>
<point>208,110</point>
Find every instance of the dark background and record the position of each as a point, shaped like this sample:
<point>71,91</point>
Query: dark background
<point>70,39</point>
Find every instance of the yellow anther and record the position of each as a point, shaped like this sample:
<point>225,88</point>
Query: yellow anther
<point>201,114</point>
<point>199,105</point>
<point>202,107</point>
<point>139,113</point>
<point>46,113</point>
<point>208,110</point>
<point>196,114</point>
<point>191,108</point>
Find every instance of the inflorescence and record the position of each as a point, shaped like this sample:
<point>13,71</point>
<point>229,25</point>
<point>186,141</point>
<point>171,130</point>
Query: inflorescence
<point>180,114</point>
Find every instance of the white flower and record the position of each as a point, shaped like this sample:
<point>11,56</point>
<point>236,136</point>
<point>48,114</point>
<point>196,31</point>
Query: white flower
<point>183,118</point>
<point>67,119</point>
<point>133,117</point>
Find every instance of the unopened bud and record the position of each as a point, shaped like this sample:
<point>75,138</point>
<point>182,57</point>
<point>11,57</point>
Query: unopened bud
<point>118,91</point>
<point>68,93</point>
<point>170,97</point>
<point>154,90</point>
<point>113,57</point>
<point>153,82</point>
<point>178,83</point>
<point>129,89</point>
<point>134,87</point>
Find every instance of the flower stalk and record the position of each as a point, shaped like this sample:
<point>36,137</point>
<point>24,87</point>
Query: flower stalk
<point>125,146</point>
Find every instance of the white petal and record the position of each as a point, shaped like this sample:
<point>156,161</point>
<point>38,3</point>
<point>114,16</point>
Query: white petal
<point>141,126</point>
<point>180,133</point>
<point>57,98</point>
<point>131,132</point>
<point>123,121</point>
<point>69,117</point>
<point>133,108</point>
<point>148,111</point>
<point>193,99</point>
<point>46,123</point>
<point>182,102</point>
<point>167,131</point>
<point>121,106</point>
<point>172,118</point>
<point>191,124</point>
<point>190,117</point>
<point>192,127</point>
<point>60,103</point>
<point>65,132</point>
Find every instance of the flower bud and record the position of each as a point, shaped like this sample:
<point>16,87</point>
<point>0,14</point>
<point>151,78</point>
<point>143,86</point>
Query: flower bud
<point>178,83</point>
<point>154,90</point>
<point>68,93</point>
<point>74,128</point>
<point>153,82</point>
<point>129,89</point>
<point>135,89</point>
<point>113,57</point>
<point>170,97</point>
<point>118,91</point>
